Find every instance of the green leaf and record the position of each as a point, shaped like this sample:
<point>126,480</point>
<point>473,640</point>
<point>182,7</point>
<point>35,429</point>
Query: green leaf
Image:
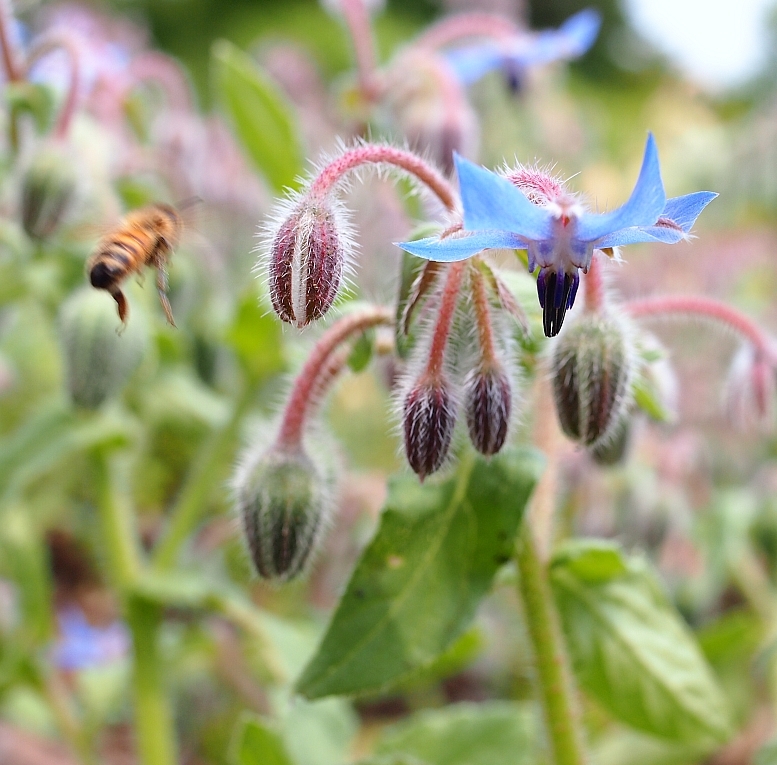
<point>648,398</point>
<point>631,649</point>
<point>259,114</point>
<point>34,99</point>
<point>255,743</point>
<point>319,732</point>
<point>361,352</point>
<point>489,733</point>
<point>255,336</point>
<point>24,559</point>
<point>418,583</point>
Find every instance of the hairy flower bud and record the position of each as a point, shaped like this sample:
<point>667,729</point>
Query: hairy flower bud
<point>48,189</point>
<point>591,372</point>
<point>98,361</point>
<point>428,419</point>
<point>614,449</point>
<point>307,257</point>
<point>488,403</point>
<point>284,503</point>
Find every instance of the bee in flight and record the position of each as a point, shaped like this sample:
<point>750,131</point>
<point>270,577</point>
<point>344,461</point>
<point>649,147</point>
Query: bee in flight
<point>144,238</point>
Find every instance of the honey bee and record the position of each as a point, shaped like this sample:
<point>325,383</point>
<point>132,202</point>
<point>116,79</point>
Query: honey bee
<point>144,238</point>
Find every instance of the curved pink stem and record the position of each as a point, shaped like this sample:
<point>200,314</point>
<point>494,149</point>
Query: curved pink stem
<point>357,19</point>
<point>378,154</point>
<point>308,385</point>
<point>157,67</point>
<point>49,44</point>
<point>13,70</point>
<point>694,305</point>
<point>466,26</point>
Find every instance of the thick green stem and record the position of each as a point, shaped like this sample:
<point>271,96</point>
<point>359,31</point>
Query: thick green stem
<point>554,680</point>
<point>153,716</point>
<point>117,521</point>
<point>198,485</point>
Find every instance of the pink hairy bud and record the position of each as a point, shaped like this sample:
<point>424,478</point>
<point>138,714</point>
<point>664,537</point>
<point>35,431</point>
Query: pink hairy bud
<point>488,403</point>
<point>306,263</point>
<point>429,416</point>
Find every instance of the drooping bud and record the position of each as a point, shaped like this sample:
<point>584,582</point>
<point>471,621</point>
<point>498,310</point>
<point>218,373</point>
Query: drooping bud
<point>614,450</point>
<point>284,502</point>
<point>428,419</point>
<point>488,404</point>
<point>307,257</point>
<point>48,190</point>
<point>750,391</point>
<point>98,360</point>
<point>591,371</point>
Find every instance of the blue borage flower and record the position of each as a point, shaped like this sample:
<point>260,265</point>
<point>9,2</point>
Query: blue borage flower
<point>81,645</point>
<point>559,234</point>
<point>514,56</point>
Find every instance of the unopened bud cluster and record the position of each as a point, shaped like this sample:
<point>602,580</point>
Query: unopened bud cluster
<point>284,501</point>
<point>592,369</point>
<point>485,392</point>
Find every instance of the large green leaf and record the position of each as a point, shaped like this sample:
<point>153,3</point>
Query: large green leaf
<point>255,743</point>
<point>418,583</point>
<point>631,649</point>
<point>261,118</point>
<point>490,733</point>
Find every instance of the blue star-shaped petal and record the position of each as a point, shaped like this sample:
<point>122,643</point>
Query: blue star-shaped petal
<point>514,56</point>
<point>558,233</point>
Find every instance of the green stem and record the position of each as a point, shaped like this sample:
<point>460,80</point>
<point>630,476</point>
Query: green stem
<point>153,716</point>
<point>554,679</point>
<point>198,485</point>
<point>117,521</point>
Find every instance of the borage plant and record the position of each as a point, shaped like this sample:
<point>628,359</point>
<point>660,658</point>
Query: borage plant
<point>462,333</point>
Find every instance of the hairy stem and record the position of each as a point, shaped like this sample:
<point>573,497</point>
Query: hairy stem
<point>482,316</point>
<point>466,26</point>
<point>45,46</point>
<point>593,285</point>
<point>554,679</point>
<point>306,386</point>
<point>380,154</point>
<point>445,313</point>
<point>707,308</point>
<point>164,71</point>
<point>357,19</point>
<point>11,58</point>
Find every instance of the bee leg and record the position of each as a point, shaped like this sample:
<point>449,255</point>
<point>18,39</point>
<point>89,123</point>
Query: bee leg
<point>123,306</point>
<point>161,285</point>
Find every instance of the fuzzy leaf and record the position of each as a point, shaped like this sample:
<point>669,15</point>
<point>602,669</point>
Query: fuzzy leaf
<point>254,743</point>
<point>489,733</point>
<point>631,649</point>
<point>262,120</point>
<point>418,583</point>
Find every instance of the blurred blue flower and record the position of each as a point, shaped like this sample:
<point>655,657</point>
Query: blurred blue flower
<point>81,645</point>
<point>556,230</point>
<point>514,56</point>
